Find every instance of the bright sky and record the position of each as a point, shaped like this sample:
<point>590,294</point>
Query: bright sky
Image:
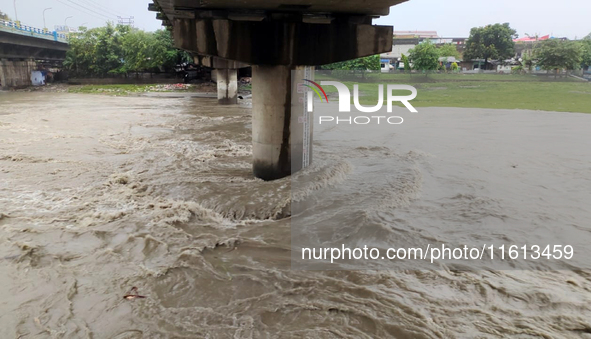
<point>450,18</point>
<point>454,18</point>
<point>91,13</point>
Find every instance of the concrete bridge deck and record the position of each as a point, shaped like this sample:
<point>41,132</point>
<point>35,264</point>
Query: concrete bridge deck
<point>251,8</point>
<point>17,28</point>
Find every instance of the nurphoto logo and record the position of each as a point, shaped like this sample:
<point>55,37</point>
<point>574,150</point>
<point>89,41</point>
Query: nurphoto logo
<point>345,102</point>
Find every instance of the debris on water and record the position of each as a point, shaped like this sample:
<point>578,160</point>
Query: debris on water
<point>169,87</point>
<point>11,257</point>
<point>133,294</point>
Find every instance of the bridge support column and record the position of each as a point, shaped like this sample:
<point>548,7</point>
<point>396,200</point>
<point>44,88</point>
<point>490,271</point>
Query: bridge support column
<point>3,83</point>
<point>227,80</point>
<point>225,73</point>
<point>16,73</point>
<point>281,126</point>
<point>272,44</point>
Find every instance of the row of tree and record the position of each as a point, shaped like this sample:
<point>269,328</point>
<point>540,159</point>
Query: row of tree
<point>495,42</point>
<point>372,63</point>
<point>121,49</point>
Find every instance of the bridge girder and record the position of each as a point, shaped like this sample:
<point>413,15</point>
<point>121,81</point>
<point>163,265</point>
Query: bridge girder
<point>16,46</point>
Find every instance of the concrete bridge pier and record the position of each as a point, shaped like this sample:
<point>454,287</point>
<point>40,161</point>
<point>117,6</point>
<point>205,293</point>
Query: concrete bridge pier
<point>225,73</point>
<point>16,73</point>
<point>227,80</point>
<point>281,125</point>
<point>276,44</point>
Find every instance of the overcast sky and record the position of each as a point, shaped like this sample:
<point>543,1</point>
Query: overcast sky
<point>450,18</point>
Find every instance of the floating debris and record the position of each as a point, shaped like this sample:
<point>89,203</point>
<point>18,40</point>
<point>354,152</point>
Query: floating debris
<point>133,294</point>
<point>169,87</point>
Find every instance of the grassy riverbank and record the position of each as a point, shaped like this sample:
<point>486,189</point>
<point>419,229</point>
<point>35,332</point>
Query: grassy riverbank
<point>127,89</point>
<point>500,91</point>
<point>481,91</point>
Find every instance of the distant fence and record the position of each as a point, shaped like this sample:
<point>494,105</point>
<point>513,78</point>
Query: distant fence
<point>17,28</point>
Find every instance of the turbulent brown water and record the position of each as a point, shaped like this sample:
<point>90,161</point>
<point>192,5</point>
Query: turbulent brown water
<point>99,194</point>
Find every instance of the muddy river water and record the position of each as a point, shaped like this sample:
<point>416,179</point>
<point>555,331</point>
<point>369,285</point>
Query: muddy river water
<point>99,194</point>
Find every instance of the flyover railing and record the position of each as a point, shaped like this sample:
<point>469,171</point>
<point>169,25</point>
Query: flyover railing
<point>18,28</point>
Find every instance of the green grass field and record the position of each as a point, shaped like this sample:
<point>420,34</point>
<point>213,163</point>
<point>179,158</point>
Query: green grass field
<point>110,89</point>
<point>503,91</point>
<point>480,91</point>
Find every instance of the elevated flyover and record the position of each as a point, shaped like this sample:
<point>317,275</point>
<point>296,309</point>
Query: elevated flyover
<point>21,46</point>
<point>282,40</point>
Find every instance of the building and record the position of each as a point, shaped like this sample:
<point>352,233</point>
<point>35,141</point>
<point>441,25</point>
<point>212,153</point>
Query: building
<point>399,47</point>
<point>532,39</point>
<point>415,34</point>
<point>404,41</point>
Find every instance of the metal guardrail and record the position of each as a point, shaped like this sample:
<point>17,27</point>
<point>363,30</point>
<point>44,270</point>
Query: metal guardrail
<point>17,28</point>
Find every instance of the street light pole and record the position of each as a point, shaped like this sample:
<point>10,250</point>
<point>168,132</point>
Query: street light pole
<point>15,13</point>
<point>44,25</point>
<point>66,21</point>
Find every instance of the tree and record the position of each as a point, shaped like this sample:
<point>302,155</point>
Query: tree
<point>108,48</point>
<point>137,48</point>
<point>449,50</point>
<point>79,57</point>
<point>165,55</point>
<point>424,56</point>
<point>527,59</point>
<point>371,63</point>
<point>97,51</point>
<point>121,50</point>
<point>557,54</point>
<point>586,52</point>
<point>491,42</point>
<point>406,63</point>
<point>4,16</point>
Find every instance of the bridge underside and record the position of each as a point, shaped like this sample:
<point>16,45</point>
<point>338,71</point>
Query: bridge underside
<point>16,46</point>
<point>19,54</point>
<point>280,39</point>
<point>280,42</point>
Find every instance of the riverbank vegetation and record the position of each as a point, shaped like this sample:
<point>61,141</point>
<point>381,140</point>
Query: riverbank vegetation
<point>121,50</point>
<point>132,89</point>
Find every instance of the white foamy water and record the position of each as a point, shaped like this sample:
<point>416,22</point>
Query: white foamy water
<point>100,194</point>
